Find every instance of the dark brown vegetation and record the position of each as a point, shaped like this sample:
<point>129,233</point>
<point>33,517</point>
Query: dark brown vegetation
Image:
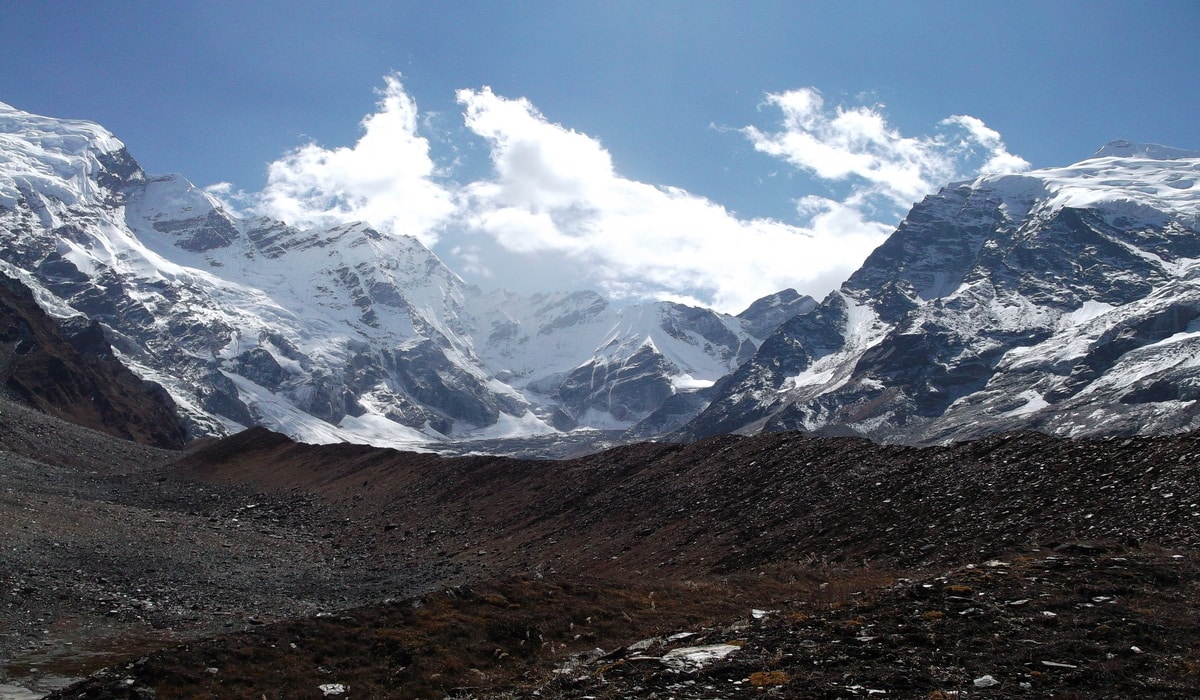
<point>1075,622</point>
<point>1018,565</point>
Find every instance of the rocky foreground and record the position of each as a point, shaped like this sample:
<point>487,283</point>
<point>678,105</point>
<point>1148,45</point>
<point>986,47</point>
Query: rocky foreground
<point>1018,565</point>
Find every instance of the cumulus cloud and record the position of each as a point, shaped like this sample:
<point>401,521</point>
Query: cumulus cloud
<point>555,208</point>
<point>885,169</point>
<point>555,190</point>
<point>386,179</point>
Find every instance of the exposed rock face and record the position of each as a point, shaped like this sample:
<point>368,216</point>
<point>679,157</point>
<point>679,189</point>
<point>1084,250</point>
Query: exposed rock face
<point>76,376</point>
<point>1062,300</point>
<point>633,388</point>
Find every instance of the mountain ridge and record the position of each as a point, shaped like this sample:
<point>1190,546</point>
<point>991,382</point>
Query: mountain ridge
<point>1059,299</point>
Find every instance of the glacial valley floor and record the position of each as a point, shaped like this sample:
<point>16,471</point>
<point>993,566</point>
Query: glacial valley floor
<point>778,566</point>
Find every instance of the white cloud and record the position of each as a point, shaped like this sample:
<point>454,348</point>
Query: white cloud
<point>385,179</point>
<point>555,210</point>
<point>999,160</point>
<point>884,168</point>
<point>555,190</point>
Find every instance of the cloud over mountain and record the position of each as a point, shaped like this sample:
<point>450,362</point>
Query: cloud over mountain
<point>387,178</point>
<point>857,145</point>
<point>555,197</point>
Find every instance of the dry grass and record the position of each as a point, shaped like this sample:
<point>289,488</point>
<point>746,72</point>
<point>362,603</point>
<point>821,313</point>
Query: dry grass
<point>766,679</point>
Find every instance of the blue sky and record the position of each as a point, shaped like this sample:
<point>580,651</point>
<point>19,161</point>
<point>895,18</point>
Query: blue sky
<point>674,111</point>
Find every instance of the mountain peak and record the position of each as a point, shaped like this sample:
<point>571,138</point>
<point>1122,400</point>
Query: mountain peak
<point>1121,148</point>
<point>64,136</point>
<point>60,158</point>
<point>1060,299</point>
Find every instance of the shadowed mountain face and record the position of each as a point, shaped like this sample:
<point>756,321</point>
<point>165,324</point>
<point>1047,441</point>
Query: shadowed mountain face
<point>75,376</point>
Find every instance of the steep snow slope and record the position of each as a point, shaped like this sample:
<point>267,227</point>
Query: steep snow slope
<point>1062,299</point>
<point>329,334</point>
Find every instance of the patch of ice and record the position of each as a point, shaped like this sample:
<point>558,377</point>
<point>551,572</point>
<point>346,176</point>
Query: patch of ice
<point>374,429</point>
<point>686,382</point>
<point>1089,310</point>
<point>810,377</point>
<point>508,426</point>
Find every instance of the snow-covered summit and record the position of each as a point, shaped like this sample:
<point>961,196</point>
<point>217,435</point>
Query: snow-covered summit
<point>1062,299</point>
<point>68,136</point>
<point>1131,180</point>
<point>64,159</point>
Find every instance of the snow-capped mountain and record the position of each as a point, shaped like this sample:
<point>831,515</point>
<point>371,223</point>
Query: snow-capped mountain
<point>1065,300</point>
<point>332,334</point>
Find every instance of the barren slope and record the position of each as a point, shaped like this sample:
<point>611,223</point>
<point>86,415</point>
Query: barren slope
<point>881,563</point>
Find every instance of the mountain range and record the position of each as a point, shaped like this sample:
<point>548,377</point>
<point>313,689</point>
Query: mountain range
<point>1062,300</point>
<point>779,564</point>
<point>340,333</point>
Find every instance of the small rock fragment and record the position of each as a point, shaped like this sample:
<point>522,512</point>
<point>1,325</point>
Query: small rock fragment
<point>986,682</point>
<point>1055,664</point>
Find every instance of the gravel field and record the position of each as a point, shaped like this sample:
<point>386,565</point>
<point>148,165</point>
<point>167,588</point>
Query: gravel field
<point>105,554</point>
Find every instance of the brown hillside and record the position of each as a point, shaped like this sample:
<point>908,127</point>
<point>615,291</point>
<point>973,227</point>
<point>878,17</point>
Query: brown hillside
<point>732,504</point>
<point>78,379</point>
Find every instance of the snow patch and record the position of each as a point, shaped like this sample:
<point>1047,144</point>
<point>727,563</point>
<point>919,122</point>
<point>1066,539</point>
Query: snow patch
<point>509,426</point>
<point>1033,402</point>
<point>810,377</point>
<point>1089,310</point>
<point>687,383</point>
<point>373,429</point>
<point>695,658</point>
